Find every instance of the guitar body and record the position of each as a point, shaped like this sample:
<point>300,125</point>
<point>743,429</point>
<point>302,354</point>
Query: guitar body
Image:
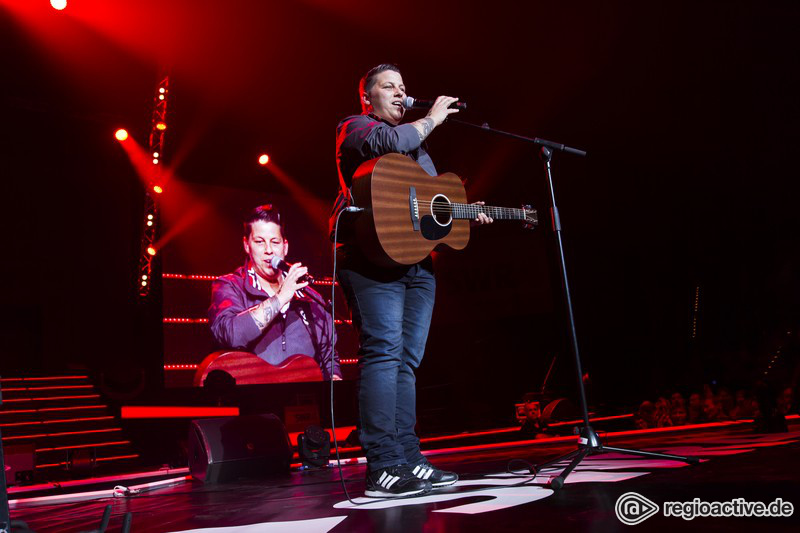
<point>389,231</point>
<point>249,369</point>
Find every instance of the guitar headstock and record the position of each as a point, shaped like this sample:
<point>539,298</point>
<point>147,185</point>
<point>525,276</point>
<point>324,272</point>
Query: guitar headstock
<point>531,219</point>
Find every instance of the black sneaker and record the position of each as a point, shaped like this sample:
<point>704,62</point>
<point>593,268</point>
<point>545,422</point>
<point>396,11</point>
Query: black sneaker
<point>395,482</point>
<point>438,478</point>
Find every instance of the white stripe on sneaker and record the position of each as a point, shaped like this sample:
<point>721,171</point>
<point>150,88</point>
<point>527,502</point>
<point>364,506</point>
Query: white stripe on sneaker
<point>416,469</point>
<point>383,476</point>
<point>391,481</point>
<point>429,474</point>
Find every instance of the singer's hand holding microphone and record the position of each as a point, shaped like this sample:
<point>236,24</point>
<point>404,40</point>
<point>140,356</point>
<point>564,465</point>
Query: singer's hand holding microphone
<point>297,278</point>
<point>440,108</point>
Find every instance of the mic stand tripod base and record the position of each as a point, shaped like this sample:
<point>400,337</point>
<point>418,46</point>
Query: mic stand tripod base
<point>589,444</point>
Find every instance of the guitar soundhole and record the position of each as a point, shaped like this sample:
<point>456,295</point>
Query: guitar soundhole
<point>441,210</point>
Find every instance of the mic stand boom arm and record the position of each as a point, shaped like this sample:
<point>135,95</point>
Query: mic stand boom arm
<point>533,140</point>
<point>588,441</point>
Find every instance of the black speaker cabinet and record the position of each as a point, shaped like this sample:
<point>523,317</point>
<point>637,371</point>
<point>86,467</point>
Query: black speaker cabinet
<point>230,448</point>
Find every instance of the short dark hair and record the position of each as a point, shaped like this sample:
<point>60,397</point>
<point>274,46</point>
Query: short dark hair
<point>264,213</point>
<point>368,81</point>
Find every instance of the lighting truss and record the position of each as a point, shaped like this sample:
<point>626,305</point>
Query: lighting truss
<point>150,219</point>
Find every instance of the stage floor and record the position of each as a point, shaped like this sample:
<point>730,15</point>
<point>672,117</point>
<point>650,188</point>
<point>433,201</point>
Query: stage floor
<point>736,463</point>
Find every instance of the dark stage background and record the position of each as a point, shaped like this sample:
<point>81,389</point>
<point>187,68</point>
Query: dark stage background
<point>688,110</point>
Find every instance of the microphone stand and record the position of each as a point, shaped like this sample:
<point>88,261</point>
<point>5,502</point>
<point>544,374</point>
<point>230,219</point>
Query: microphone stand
<point>588,441</point>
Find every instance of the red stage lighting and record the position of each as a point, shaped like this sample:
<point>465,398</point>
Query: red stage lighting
<point>158,189</point>
<point>263,159</point>
<point>151,250</point>
<point>121,134</point>
<point>58,4</point>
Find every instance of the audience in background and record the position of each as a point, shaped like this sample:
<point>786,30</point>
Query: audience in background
<point>646,417</point>
<point>696,415</point>
<point>785,401</point>
<point>708,407</point>
<point>745,406</point>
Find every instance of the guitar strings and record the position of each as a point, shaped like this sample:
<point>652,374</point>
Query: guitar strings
<point>471,211</point>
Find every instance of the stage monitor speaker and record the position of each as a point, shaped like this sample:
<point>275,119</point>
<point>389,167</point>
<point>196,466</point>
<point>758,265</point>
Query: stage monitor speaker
<point>230,448</point>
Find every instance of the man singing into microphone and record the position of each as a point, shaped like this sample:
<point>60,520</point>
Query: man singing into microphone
<point>260,309</point>
<point>391,307</point>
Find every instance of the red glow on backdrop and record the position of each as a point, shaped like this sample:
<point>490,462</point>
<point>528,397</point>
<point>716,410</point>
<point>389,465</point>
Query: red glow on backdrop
<point>316,209</point>
<point>121,134</point>
<point>142,162</point>
<point>496,161</point>
<point>193,213</point>
<point>263,159</point>
<point>182,210</point>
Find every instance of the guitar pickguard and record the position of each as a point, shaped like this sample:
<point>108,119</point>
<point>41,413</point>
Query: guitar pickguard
<point>433,231</point>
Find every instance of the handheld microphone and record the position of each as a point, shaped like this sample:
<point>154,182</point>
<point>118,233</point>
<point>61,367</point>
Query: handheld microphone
<point>279,264</point>
<point>413,103</point>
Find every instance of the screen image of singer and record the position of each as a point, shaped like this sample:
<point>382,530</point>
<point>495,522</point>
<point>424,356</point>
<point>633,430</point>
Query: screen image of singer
<point>201,233</point>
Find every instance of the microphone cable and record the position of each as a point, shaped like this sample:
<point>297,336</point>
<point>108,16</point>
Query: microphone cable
<point>333,348</point>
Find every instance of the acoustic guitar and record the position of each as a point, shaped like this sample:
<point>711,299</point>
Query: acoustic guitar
<point>409,213</point>
<point>249,369</point>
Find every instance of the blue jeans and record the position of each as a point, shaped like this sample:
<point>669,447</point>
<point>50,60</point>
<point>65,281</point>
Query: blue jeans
<point>392,311</point>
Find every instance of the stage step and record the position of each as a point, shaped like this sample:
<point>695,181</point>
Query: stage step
<point>59,427</point>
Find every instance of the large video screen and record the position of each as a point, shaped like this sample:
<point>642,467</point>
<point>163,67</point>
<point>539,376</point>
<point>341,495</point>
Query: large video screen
<point>201,240</point>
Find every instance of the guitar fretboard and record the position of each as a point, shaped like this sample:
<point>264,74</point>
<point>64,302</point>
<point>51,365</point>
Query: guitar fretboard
<point>471,211</point>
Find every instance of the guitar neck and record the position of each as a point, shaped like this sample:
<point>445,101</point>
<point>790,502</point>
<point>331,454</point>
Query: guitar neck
<point>471,211</point>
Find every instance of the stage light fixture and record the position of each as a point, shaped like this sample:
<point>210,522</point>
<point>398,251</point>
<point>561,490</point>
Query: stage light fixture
<point>155,154</point>
<point>162,90</point>
<point>149,217</point>
<point>160,96</point>
<point>161,126</point>
<point>121,134</point>
<point>149,222</point>
<point>155,161</point>
<point>314,447</point>
<point>263,159</point>
<point>151,250</point>
<point>58,4</point>
<point>158,189</point>
<point>144,276</point>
